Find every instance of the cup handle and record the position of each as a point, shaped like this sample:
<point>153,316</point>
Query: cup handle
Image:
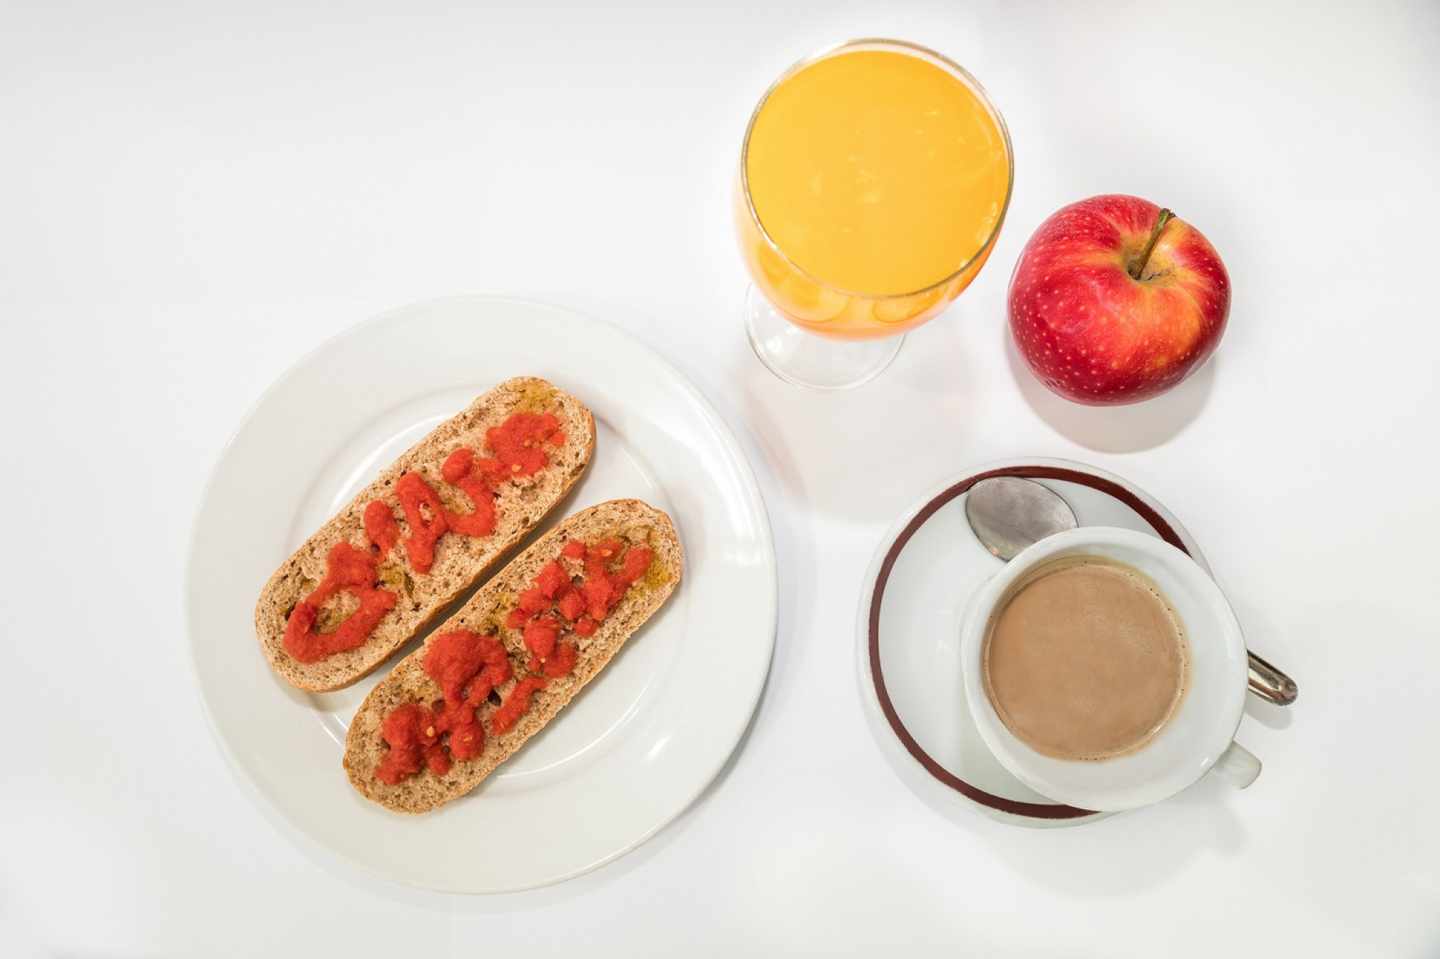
<point>1238,766</point>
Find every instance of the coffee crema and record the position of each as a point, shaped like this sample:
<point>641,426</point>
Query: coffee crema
<point>1085,659</point>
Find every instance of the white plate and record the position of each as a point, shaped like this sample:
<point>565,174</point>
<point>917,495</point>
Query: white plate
<point>639,744</point>
<point>908,642</point>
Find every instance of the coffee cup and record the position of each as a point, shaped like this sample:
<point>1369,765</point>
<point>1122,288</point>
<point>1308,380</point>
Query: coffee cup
<point>1198,734</point>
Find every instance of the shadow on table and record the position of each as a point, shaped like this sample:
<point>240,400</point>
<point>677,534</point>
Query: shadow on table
<point>1129,852</point>
<point>864,454</point>
<point>1115,856</point>
<point>1113,429</point>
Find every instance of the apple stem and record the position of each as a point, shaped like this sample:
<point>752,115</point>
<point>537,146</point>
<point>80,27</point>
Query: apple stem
<point>1137,268</point>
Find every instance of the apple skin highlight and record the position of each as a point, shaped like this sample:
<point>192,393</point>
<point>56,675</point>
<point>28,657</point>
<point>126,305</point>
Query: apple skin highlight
<point>1096,334</point>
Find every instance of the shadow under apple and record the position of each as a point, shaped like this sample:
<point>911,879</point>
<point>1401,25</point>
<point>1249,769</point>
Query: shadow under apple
<point>1113,429</point>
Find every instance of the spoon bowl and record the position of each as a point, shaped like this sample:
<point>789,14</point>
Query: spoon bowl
<point>1008,514</point>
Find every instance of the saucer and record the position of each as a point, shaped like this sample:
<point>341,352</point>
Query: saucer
<point>908,649</point>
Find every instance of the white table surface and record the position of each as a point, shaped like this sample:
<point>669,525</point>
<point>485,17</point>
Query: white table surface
<point>192,195</point>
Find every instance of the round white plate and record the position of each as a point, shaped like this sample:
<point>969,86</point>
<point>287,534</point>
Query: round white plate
<point>641,742</point>
<point>908,643</point>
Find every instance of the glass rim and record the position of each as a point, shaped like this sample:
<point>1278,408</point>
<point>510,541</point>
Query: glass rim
<point>911,49</point>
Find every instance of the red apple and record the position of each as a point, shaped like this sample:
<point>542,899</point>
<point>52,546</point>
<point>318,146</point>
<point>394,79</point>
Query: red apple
<point>1115,300</point>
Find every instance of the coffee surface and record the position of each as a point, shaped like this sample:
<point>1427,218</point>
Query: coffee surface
<point>1085,659</point>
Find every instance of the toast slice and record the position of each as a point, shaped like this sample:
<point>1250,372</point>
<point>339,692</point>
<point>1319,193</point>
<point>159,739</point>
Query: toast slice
<point>460,561</point>
<point>633,522</point>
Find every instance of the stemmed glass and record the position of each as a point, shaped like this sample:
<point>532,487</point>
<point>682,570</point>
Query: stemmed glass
<point>858,174</point>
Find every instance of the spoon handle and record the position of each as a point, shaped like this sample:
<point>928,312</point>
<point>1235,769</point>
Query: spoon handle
<point>1270,684</point>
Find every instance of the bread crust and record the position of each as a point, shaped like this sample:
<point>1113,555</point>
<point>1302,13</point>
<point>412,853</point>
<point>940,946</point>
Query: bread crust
<point>631,520</point>
<point>460,561</point>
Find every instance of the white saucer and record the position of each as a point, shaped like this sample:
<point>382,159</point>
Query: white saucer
<point>927,566</point>
<point>631,752</point>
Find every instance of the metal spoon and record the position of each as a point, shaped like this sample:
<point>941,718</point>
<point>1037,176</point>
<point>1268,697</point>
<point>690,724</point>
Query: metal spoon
<point>1008,514</point>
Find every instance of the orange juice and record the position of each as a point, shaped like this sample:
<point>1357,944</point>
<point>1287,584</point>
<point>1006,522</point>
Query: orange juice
<point>873,184</point>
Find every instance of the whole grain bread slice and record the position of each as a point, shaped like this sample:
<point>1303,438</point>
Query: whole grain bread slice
<point>460,561</point>
<point>628,519</point>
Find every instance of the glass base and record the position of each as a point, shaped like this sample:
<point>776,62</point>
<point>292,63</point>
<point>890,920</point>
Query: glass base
<point>807,359</point>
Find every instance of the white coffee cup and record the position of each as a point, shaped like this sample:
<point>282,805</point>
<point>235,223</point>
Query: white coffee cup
<point>1198,737</point>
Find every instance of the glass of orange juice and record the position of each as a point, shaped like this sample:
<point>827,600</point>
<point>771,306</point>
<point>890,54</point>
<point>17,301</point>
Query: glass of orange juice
<point>873,181</point>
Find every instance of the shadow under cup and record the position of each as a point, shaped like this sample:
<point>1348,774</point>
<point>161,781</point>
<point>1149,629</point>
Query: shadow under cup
<point>1199,732</point>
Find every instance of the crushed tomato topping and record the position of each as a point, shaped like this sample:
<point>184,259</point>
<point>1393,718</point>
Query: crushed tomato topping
<point>519,445</point>
<point>348,569</point>
<point>468,666</point>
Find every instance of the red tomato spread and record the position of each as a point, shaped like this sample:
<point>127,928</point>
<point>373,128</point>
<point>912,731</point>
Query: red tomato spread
<point>414,743</point>
<point>519,442</point>
<point>426,516</point>
<point>468,666</point>
<point>347,570</point>
<point>477,478</point>
<point>516,704</point>
<point>608,574</point>
<point>519,448</point>
<point>559,601</point>
<point>380,527</point>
